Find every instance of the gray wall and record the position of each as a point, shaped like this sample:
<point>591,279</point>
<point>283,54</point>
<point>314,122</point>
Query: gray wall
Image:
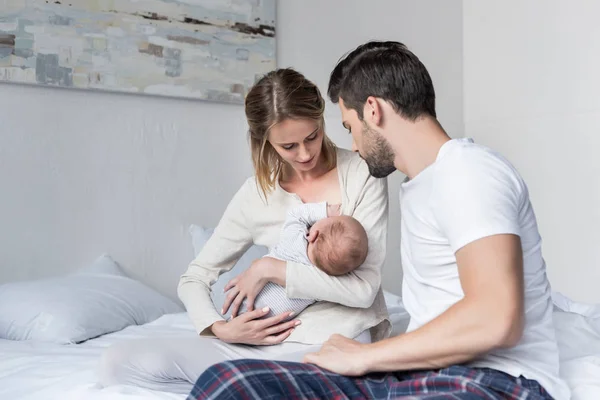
<point>532,92</point>
<point>85,173</point>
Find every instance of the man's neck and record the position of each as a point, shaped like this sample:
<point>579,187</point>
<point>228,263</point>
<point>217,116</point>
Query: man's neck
<point>418,147</point>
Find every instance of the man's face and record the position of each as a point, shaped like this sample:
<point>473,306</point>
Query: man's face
<point>369,143</point>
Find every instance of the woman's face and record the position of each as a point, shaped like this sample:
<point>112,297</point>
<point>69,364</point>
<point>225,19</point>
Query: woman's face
<point>298,142</point>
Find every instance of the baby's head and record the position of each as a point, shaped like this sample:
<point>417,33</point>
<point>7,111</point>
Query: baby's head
<point>337,245</point>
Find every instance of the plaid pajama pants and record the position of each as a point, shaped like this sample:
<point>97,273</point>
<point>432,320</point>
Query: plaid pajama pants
<point>264,380</point>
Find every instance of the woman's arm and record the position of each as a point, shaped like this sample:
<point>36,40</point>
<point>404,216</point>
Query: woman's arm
<point>293,235</point>
<point>230,240</point>
<point>359,287</point>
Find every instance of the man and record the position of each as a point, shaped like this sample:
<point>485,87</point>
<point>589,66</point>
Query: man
<point>475,280</point>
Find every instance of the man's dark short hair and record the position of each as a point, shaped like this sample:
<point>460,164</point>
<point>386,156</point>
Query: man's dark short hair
<point>387,70</point>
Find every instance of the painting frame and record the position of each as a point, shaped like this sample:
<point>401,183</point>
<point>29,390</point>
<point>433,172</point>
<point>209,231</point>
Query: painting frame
<point>210,50</point>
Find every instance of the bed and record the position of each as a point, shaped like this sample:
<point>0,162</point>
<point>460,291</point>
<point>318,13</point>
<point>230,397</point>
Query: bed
<point>62,325</point>
<point>33,370</point>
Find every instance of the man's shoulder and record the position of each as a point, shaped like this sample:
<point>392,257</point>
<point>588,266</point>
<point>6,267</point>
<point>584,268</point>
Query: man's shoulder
<point>467,157</point>
<point>477,173</point>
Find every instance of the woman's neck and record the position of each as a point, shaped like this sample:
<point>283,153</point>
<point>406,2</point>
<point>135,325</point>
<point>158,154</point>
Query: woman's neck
<point>290,175</point>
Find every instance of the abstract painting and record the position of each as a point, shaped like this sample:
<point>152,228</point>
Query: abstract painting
<point>202,49</point>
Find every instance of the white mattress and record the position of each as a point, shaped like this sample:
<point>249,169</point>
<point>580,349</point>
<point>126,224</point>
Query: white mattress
<point>67,372</point>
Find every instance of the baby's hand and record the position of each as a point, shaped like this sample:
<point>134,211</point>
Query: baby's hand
<point>333,210</point>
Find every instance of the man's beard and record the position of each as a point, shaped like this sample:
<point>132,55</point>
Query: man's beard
<point>379,155</point>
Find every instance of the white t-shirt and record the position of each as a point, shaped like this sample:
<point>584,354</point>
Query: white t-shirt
<point>468,193</point>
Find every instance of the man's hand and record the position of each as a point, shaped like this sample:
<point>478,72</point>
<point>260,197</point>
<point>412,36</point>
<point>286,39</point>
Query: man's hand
<point>488,317</point>
<point>340,355</point>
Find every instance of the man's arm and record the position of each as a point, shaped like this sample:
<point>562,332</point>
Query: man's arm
<point>490,316</point>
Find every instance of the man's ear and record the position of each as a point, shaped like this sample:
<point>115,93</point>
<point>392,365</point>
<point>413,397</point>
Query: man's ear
<point>373,112</point>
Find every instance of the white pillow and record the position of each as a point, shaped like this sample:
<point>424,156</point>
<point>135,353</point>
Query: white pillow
<point>200,236</point>
<point>93,301</point>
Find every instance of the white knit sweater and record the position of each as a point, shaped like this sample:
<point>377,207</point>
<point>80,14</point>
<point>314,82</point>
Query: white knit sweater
<point>348,304</point>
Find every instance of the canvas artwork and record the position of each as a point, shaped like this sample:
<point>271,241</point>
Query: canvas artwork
<point>202,49</point>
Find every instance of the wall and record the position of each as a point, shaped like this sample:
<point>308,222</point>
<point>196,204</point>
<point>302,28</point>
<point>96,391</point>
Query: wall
<point>313,42</point>
<point>531,91</point>
<point>83,173</point>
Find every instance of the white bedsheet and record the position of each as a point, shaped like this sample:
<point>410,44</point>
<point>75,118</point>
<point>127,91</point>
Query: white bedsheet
<point>67,372</point>
<point>578,333</point>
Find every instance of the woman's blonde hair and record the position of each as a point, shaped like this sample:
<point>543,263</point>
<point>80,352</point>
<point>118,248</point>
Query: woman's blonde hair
<point>280,95</point>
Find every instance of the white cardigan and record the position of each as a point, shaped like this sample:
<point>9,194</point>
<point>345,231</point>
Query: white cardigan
<point>349,303</point>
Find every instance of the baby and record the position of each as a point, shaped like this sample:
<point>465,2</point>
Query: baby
<point>316,234</point>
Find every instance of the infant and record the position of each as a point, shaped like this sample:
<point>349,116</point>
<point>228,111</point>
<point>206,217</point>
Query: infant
<point>313,234</point>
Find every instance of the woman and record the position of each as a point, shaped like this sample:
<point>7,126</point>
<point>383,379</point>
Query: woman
<point>294,162</point>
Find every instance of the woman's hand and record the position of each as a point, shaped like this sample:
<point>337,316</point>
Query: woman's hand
<point>248,329</point>
<point>249,283</point>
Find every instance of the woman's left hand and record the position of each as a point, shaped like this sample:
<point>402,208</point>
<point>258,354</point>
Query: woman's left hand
<point>248,284</point>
